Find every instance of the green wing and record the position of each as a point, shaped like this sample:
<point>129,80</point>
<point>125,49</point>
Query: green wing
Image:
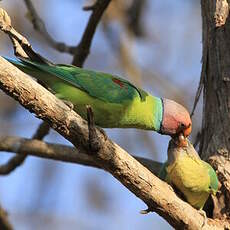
<point>214,183</point>
<point>97,84</point>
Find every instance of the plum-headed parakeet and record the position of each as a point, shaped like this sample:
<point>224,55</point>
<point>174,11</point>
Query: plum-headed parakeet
<point>193,177</point>
<point>116,102</point>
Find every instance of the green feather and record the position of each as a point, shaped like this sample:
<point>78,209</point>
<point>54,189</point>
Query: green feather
<point>115,101</point>
<point>107,89</point>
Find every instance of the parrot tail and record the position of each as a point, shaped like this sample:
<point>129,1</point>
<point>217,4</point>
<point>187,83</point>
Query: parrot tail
<point>28,68</point>
<point>19,64</point>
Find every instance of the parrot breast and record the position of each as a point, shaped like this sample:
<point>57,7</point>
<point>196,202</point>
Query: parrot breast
<point>134,113</point>
<point>191,177</point>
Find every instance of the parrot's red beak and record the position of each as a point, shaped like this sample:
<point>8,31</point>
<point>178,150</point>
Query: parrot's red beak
<point>187,131</point>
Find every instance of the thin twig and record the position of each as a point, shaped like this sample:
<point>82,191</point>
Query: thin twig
<point>39,25</point>
<point>197,139</point>
<point>83,48</point>
<point>90,7</point>
<point>4,222</point>
<point>202,77</point>
<point>198,93</point>
<point>80,51</point>
<point>18,51</point>
<point>21,45</point>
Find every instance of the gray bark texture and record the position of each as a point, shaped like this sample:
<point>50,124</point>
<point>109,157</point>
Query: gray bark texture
<point>215,77</point>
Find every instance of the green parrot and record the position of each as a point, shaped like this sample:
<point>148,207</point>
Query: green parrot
<point>116,103</point>
<point>193,177</point>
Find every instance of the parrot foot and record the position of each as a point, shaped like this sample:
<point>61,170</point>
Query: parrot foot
<point>69,104</point>
<point>203,213</point>
<point>102,131</point>
<point>94,141</point>
<point>146,211</point>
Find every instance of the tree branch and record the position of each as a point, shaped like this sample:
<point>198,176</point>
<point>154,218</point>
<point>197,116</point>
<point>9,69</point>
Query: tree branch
<point>157,195</point>
<point>4,222</point>
<point>17,160</point>
<point>23,48</point>
<point>59,152</point>
<point>39,25</point>
<point>215,141</point>
<point>82,49</point>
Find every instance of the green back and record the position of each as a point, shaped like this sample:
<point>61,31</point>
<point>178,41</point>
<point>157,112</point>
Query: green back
<point>103,86</point>
<point>116,102</point>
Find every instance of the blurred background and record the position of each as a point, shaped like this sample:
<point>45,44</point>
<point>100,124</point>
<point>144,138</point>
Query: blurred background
<point>154,44</point>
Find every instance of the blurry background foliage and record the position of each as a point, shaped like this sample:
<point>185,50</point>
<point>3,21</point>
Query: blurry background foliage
<point>155,44</point>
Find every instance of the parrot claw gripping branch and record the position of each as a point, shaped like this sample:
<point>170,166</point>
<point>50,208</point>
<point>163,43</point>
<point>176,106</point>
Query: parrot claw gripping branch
<point>94,141</point>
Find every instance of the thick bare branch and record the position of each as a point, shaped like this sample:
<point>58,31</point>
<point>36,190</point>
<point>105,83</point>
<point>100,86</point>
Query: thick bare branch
<point>157,195</point>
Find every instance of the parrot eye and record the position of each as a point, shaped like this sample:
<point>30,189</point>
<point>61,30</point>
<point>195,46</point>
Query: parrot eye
<point>180,128</point>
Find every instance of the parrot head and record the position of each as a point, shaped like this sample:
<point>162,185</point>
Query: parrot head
<point>176,122</point>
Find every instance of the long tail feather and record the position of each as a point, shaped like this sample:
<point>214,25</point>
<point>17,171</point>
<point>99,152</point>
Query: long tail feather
<point>27,67</point>
<point>13,61</point>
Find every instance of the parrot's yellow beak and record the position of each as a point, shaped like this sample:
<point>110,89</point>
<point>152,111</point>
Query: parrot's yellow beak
<point>182,137</point>
<point>182,140</point>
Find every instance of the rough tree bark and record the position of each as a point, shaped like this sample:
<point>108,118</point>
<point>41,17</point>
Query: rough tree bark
<point>215,141</point>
